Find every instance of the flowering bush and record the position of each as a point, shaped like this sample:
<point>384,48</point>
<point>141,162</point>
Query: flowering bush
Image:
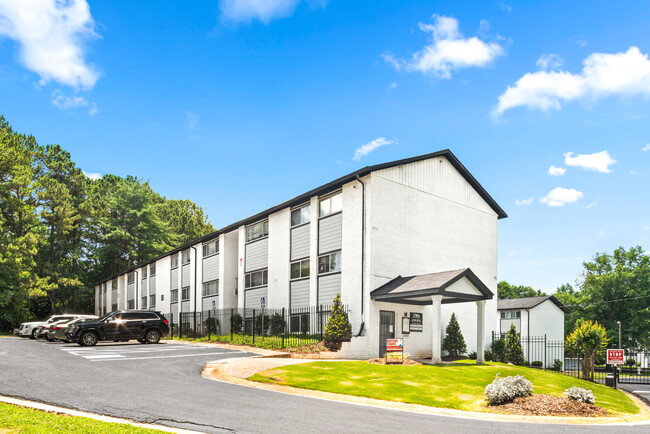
<point>580,394</point>
<point>503,390</point>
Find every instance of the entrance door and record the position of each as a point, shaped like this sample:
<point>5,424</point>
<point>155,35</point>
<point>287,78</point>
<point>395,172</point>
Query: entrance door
<point>386,329</point>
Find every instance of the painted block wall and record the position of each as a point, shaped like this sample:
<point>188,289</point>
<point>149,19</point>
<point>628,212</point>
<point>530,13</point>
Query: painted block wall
<point>279,243</point>
<point>547,319</point>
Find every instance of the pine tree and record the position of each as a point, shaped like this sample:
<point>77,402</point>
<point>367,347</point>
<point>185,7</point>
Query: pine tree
<point>338,328</point>
<point>453,343</point>
<point>514,352</point>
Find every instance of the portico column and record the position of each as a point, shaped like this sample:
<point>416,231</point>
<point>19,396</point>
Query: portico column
<point>436,350</point>
<point>480,332</point>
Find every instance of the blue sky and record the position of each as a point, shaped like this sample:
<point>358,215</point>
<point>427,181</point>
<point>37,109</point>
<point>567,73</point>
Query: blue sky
<point>241,104</point>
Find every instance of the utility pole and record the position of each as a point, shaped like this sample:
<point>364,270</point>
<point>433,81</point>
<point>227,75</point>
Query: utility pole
<point>620,342</point>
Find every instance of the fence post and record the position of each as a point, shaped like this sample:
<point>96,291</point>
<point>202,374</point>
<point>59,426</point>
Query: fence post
<point>284,329</point>
<point>232,312</point>
<point>253,325</point>
<point>209,327</point>
<point>180,325</point>
<point>545,359</point>
<point>320,320</point>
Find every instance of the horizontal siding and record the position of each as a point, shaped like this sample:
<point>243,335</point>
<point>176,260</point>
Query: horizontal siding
<point>253,296</point>
<point>257,255</point>
<point>152,285</point>
<point>174,278</point>
<point>143,289</point>
<point>300,293</point>
<point>328,287</point>
<point>186,276</point>
<point>207,302</point>
<point>329,233</point>
<point>186,306</point>
<point>174,311</point>
<point>211,268</point>
<point>300,242</point>
<point>130,291</point>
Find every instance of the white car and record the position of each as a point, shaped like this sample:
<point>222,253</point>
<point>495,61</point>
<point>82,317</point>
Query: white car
<point>29,329</point>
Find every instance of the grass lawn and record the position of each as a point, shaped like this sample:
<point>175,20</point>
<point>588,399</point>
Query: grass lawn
<point>28,420</point>
<point>460,385</point>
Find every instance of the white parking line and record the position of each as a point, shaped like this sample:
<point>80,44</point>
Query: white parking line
<point>641,391</point>
<point>103,356</point>
<point>162,357</point>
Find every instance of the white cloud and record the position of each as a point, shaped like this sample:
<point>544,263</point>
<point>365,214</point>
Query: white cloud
<point>93,110</point>
<point>646,148</point>
<point>592,204</point>
<point>646,227</point>
<point>559,196</point>
<point>448,51</point>
<point>262,10</point>
<point>524,202</point>
<point>369,147</point>
<point>549,61</point>
<point>192,120</point>
<point>66,102</point>
<point>556,171</point>
<point>92,175</point>
<point>603,75</point>
<point>506,7</point>
<point>599,161</point>
<point>51,34</point>
<point>634,172</point>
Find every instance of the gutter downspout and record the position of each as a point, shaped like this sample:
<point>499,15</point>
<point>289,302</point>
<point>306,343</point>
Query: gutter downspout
<point>195,259</point>
<point>137,279</point>
<point>363,247</point>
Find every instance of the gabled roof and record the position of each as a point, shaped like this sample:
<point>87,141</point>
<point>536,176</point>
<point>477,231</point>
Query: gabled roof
<point>328,188</point>
<point>528,303</point>
<point>412,289</point>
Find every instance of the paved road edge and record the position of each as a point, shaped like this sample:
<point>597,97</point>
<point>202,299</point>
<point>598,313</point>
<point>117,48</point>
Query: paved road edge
<point>102,418</point>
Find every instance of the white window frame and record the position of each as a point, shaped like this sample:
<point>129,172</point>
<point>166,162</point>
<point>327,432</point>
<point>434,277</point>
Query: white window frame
<point>206,285</point>
<point>185,257</point>
<point>206,248</point>
<point>333,256</point>
<point>152,270</point>
<point>250,231</point>
<point>303,214</point>
<point>330,204</point>
<point>174,261</point>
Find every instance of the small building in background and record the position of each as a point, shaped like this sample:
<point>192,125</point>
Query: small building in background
<point>533,316</point>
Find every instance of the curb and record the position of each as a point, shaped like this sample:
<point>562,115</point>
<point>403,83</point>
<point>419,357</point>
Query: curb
<point>110,419</point>
<point>214,371</point>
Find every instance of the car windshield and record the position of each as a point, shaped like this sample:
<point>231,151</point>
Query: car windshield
<point>105,317</point>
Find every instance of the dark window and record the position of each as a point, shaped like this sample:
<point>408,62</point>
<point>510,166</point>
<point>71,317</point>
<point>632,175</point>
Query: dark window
<point>131,304</point>
<point>211,248</point>
<point>175,261</point>
<point>130,277</point>
<point>186,293</point>
<point>329,263</point>
<point>300,269</point>
<point>174,296</point>
<point>152,270</point>
<point>256,278</point>
<point>211,288</point>
<point>300,215</point>
<point>144,272</point>
<point>185,257</point>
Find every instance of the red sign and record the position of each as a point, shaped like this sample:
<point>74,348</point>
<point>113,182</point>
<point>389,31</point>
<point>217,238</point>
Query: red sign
<point>615,357</point>
<point>394,345</point>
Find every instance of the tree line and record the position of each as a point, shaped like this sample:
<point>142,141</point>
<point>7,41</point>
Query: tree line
<point>60,231</point>
<point>611,287</point>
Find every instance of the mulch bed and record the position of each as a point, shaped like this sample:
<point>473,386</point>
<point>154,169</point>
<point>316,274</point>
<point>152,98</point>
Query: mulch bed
<point>382,361</point>
<point>453,358</point>
<point>547,405</point>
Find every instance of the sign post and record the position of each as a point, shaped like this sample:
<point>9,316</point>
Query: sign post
<point>394,351</point>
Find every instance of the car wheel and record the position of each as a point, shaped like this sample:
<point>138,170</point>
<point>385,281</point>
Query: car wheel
<point>152,336</point>
<point>88,339</point>
<point>33,336</point>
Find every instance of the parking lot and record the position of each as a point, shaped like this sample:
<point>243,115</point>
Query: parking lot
<point>105,352</point>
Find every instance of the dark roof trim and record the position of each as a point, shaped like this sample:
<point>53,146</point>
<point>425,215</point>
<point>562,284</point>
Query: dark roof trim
<point>530,303</point>
<point>328,188</point>
<point>385,292</point>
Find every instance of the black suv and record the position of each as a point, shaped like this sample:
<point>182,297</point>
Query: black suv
<point>144,325</point>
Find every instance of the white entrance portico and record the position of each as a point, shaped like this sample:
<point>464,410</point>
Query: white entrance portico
<point>436,289</point>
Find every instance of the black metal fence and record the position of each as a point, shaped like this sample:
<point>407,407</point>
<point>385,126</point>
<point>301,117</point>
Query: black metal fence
<point>270,328</point>
<point>552,355</point>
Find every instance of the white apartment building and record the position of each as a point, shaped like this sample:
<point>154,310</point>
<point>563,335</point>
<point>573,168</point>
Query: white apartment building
<point>413,238</point>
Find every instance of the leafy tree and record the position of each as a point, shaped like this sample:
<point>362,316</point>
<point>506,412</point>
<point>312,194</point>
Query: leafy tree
<point>454,343</point>
<point>613,288</point>
<point>186,220</point>
<point>514,351</point>
<point>338,328</point>
<point>588,340</point>
<point>508,291</point>
<point>498,350</point>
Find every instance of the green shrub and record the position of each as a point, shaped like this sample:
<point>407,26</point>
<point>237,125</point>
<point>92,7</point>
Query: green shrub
<point>338,328</point>
<point>514,352</point>
<point>630,362</point>
<point>498,348</point>
<point>454,343</point>
<point>236,323</point>
<point>262,324</point>
<point>473,356</point>
<point>557,365</point>
<point>489,356</point>
<point>211,325</point>
<point>537,364</point>
<point>278,324</point>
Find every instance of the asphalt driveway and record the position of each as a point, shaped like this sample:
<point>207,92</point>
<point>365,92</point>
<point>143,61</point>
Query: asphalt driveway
<point>162,384</point>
